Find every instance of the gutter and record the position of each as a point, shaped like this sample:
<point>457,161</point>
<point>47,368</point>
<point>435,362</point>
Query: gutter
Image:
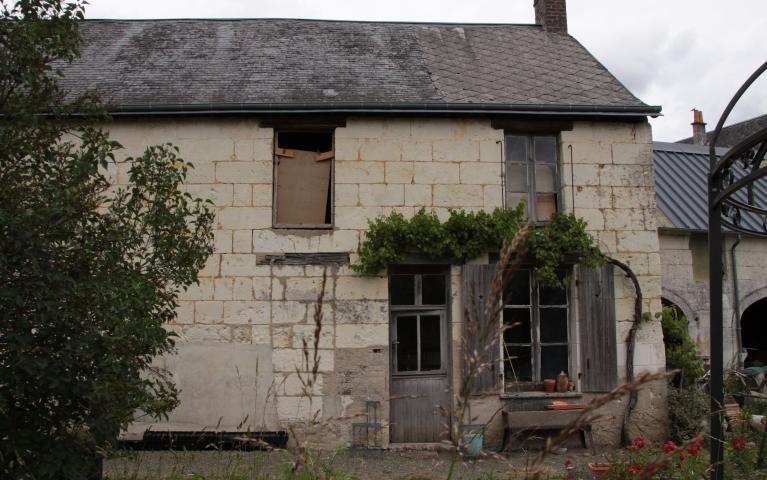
<point>411,108</point>
<point>683,231</point>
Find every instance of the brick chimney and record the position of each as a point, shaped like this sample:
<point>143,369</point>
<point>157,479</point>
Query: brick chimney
<point>551,14</point>
<point>698,128</point>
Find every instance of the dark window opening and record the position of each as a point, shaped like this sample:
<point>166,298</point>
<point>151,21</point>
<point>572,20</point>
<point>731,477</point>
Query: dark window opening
<point>418,289</point>
<point>753,324</point>
<point>309,141</point>
<point>431,336</point>
<point>531,174</point>
<point>403,290</point>
<point>418,343</point>
<point>303,179</point>
<point>535,332</point>
<point>407,343</point>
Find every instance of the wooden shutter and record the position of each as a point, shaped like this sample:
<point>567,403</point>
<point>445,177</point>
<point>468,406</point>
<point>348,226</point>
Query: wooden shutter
<point>596,316</point>
<point>303,187</point>
<point>476,282</point>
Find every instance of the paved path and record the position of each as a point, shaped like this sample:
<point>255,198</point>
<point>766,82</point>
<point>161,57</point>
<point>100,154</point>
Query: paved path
<point>410,465</point>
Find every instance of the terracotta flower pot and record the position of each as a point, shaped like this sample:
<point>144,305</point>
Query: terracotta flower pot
<point>549,384</point>
<point>599,470</point>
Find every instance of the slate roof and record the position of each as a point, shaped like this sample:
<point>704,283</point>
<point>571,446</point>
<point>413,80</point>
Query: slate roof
<point>736,132</point>
<point>271,64</point>
<point>681,177</point>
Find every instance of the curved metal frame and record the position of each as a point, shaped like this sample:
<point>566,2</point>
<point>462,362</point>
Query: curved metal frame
<point>722,188</point>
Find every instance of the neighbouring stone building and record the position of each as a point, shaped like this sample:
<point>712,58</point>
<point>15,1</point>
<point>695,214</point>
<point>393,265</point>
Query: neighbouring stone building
<point>302,131</point>
<point>681,178</point>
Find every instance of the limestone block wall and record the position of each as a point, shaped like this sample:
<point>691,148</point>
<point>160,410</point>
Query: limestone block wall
<point>688,289</point>
<point>612,180</point>
<point>265,311</point>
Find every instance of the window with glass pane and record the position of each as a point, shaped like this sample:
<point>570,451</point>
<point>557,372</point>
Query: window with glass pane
<point>418,289</point>
<point>531,174</point>
<point>418,342</point>
<point>535,330</point>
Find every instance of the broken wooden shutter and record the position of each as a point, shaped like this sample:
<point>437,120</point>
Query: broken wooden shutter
<point>303,187</point>
<point>476,283</point>
<point>596,314</point>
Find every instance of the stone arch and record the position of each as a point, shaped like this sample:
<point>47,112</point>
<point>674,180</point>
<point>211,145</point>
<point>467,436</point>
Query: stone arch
<point>694,327</point>
<point>679,301</point>
<point>751,298</point>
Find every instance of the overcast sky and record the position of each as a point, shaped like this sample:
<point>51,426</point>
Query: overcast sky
<point>678,54</point>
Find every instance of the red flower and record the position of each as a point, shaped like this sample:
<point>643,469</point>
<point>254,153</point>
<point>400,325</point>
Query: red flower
<point>634,468</point>
<point>738,443</point>
<point>681,456</point>
<point>669,446</point>
<point>639,442</point>
<point>694,448</point>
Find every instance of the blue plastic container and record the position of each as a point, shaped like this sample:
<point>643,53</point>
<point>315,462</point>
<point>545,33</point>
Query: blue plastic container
<point>473,439</point>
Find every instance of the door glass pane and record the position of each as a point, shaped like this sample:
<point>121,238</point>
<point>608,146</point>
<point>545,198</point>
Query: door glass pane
<point>518,366</point>
<point>407,343</point>
<point>545,206</point>
<point>553,361</point>
<point>553,325</point>
<point>553,296</point>
<point>545,150</point>
<point>516,322</point>
<point>431,341</point>
<point>433,290</point>
<point>518,289</point>
<point>545,178</point>
<point>403,289</point>
<point>516,177</point>
<point>516,149</point>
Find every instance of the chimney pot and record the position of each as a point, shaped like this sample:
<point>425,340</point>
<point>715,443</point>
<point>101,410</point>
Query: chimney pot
<point>699,136</point>
<point>551,15</point>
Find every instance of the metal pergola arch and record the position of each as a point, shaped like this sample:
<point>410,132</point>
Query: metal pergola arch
<point>729,198</point>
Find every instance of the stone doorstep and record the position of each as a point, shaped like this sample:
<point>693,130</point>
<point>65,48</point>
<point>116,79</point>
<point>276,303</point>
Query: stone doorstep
<point>431,447</point>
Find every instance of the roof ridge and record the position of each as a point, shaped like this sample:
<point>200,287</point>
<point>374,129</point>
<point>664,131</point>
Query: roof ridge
<point>326,20</point>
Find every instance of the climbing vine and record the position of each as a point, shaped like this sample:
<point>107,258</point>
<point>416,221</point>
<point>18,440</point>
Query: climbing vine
<point>466,235</point>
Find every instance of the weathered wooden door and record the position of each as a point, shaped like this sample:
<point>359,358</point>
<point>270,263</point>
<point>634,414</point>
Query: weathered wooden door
<point>420,400</point>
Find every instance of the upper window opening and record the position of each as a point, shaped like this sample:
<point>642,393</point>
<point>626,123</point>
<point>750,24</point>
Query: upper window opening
<point>531,174</point>
<point>303,179</point>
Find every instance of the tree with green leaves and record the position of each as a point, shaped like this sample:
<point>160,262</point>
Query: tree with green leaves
<point>89,272</point>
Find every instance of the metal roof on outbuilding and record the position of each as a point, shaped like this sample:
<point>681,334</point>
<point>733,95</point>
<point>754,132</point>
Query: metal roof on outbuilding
<point>317,65</point>
<point>681,180</point>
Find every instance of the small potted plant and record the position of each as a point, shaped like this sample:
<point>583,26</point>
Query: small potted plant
<point>599,470</point>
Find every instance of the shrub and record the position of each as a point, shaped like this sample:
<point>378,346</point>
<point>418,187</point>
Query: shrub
<point>681,353</point>
<point>687,410</point>
<point>89,274</point>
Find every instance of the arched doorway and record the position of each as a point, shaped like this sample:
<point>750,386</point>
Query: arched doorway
<point>753,328</point>
<point>668,303</point>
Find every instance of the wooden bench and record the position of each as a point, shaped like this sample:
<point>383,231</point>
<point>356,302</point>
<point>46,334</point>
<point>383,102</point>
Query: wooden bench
<point>517,422</point>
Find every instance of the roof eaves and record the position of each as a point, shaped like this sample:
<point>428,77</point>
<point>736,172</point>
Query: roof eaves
<point>437,108</point>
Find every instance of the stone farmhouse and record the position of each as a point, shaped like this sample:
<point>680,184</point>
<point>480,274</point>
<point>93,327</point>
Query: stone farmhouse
<point>681,171</point>
<point>301,131</point>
